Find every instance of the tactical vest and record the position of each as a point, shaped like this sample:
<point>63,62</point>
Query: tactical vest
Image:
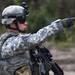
<point>9,65</point>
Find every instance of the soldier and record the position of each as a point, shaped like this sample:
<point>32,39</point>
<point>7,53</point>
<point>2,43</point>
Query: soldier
<point>15,42</point>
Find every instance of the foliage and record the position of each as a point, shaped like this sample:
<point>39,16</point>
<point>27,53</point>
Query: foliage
<point>17,1</point>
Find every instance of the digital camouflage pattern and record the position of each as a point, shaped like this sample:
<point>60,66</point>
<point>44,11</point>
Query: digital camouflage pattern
<point>15,48</point>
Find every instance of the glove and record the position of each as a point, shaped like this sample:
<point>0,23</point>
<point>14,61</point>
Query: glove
<point>67,22</point>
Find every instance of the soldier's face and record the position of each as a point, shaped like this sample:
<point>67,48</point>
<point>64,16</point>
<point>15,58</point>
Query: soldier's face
<point>23,26</point>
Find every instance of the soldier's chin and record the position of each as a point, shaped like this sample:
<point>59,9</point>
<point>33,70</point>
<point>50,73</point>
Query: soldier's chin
<point>23,31</point>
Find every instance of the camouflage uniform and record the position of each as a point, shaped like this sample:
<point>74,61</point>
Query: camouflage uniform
<point>14,47</point>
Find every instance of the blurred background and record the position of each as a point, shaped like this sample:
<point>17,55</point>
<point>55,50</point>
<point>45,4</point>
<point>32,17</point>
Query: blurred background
<point>42,13</point>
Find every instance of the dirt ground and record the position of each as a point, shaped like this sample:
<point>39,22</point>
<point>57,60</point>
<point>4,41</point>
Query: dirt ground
<point>66,60</point>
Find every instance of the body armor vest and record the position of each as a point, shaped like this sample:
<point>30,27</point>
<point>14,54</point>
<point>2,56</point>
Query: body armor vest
<point>9,65</point>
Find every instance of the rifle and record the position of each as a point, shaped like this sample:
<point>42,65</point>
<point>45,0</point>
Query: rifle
<point>71,18</point>
<point>42,62</point>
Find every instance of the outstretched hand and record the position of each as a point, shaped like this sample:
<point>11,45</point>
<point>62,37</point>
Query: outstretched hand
<point>68,22</point>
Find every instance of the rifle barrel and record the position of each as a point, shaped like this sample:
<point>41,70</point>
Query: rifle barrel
<point>72,18</point>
